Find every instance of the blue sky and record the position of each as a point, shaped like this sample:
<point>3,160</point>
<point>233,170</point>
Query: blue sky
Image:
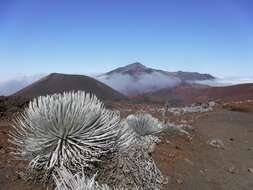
<point>94,36</point>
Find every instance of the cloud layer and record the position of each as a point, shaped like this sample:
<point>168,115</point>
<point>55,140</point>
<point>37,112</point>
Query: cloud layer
<point>228,81</point>
<point>11,86</point>
<point>125,83</point>
<point>130,85</point>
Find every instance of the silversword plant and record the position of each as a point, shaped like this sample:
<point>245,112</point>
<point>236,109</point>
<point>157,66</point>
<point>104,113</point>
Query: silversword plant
<point>73,130</point>
<point>144,124</point>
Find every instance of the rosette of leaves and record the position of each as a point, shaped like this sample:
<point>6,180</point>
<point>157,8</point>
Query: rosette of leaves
<point>72,129</point>
<point>144,124</point>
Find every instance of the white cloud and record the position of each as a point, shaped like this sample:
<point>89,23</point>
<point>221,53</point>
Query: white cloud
<point>127,84</point>
<point>10,86</point>
<point>226,81</point>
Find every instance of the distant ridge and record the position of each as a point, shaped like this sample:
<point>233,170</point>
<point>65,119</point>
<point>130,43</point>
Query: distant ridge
<point>138,68</point>
<point>191,93</point>
<point>59,83</point>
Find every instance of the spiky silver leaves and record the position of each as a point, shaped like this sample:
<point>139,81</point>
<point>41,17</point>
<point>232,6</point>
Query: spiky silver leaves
<point>65,180</point>
<point>71,129</point>
<point>144,127</point>
<point>144,124</point>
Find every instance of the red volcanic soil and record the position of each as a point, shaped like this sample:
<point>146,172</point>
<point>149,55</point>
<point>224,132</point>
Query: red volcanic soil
<point>186,94</point>
<point>59,83</point>
<point>196,165</point>
<point>240,106</point>
<point>11,170</point>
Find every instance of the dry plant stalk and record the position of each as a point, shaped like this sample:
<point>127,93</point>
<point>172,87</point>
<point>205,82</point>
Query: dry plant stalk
<point>134,169</point>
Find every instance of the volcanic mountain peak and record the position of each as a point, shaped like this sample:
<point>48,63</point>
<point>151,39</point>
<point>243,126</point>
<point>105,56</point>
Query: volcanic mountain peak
<point>137,78</point>
<point>131,69</point>
<point>59,83</point>
<point>136,69</point>
<point>136,65</point>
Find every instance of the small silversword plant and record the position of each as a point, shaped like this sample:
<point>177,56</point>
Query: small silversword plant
<point>144,124</point>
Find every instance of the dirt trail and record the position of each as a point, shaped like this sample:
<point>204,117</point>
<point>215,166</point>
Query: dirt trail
<point>195,165</point>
